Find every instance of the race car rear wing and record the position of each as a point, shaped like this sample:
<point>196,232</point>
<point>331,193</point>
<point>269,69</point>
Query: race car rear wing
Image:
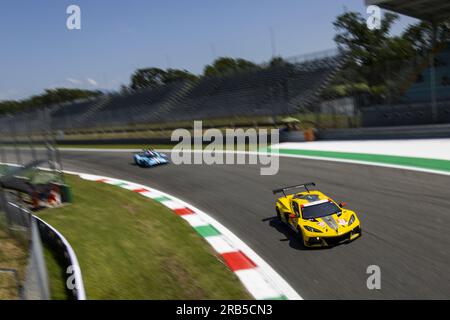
<point>283,190</point>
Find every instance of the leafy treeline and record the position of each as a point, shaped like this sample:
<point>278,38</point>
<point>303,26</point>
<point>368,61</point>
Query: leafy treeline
<point>50,96</point>
<point>376,58</point>
<point>153,77</point>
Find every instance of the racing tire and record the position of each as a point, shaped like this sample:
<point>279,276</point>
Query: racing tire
<point>300,236</point>
<point>278,214</point>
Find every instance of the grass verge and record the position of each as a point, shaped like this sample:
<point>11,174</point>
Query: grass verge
<point>13,256</point>
<point>424,163</point>
<point>130,247</point>
<point>56,276</point>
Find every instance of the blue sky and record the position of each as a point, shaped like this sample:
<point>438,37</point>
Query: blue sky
<point>117,37</point>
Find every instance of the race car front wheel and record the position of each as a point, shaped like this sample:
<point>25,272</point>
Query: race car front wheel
<point>300,236</point>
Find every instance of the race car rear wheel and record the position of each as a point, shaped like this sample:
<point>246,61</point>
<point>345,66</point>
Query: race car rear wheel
<point>278,214</point>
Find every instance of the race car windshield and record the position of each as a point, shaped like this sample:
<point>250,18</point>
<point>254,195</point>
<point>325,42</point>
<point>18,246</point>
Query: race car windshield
<point>146,155</point>
<point>320,210</point>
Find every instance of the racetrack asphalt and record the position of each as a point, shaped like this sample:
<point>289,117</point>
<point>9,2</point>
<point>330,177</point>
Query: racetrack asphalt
<point>405,217</point>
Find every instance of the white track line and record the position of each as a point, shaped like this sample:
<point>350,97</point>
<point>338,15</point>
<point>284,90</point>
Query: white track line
<point>275,154</point>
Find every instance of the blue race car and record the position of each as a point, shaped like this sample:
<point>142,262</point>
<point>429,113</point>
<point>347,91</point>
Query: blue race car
<point>150,158</point>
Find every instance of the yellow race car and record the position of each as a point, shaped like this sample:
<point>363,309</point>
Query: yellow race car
<point>317,219</point>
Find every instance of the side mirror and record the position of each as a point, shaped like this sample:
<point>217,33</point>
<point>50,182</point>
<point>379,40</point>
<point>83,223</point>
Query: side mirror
<point>343,204</point>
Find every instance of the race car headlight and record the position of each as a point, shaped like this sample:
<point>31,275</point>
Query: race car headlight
<point>311,229</point>
<point>352,219</point>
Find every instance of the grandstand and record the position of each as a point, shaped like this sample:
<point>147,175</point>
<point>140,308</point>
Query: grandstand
<point>419,91</point>
<point>417,94</point>
<point>289,87</point>
<point>426,96</point>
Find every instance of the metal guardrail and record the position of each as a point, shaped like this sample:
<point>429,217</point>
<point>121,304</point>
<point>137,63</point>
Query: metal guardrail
<point>66,254</point>
<point>37,230</point>
<point>36,285</point>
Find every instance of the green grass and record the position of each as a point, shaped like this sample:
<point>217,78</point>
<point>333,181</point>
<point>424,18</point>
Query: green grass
<point>130,247</point>
<point>14,256</point>
<point>56,276</point>
<point>424,163</point>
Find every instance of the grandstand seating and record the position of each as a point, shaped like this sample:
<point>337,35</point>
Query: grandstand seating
<point>420,91</point>
<point>414,106</point>
<point>264,91</point>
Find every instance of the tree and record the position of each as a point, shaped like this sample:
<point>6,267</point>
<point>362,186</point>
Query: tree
<point>124,90</point>
<point>147,78</point>
<point>370,47</point>
<point>50,96</point>
<point>9,106</point>
<point>375,57</point>
<point>378,61</point>
<point>420,35</point>
<point>225,65</point>
<point>176,75</point>
<point>277,61</point>
<point>154,77</point>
